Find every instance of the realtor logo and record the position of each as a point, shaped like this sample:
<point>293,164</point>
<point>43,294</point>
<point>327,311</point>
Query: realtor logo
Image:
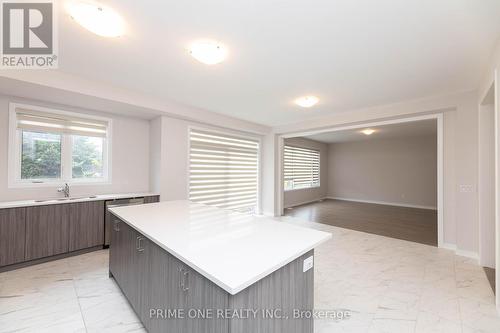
<point>28,35</point>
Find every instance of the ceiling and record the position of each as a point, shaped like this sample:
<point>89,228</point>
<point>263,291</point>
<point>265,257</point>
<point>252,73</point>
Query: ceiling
<point>349,53</point>
<point>394,131</point>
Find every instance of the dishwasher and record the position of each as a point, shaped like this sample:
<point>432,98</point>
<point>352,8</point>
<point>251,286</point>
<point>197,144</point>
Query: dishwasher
<point>109,217</point>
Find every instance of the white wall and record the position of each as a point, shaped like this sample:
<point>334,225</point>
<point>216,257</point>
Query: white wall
<point>486,185</point>
<point>130,157</point>
<point>155,154</point>
<point>400,171</point>
<point>271,193</point>
<point>170,157</point>
<point>460,122</point>
<point>300,196</point>
<point>491,78</point>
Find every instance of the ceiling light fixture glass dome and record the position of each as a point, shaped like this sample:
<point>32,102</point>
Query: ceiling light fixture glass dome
<point>307,101</point>
<point>208,52</point>
<point>97,18</point>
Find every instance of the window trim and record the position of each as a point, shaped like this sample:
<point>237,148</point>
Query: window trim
<point>236,134</point>
<point>14,152</point>
<point>319,165</point>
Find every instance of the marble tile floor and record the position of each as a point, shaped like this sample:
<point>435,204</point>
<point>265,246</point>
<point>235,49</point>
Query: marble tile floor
<point>388,285</point>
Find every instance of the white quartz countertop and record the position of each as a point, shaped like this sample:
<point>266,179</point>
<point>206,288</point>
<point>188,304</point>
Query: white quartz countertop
<point>58,201</point>
<point>232,250</point>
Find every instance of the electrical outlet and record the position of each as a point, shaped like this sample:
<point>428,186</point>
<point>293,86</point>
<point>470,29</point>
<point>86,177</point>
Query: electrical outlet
<point>308,263</point>
<point>466,188</point>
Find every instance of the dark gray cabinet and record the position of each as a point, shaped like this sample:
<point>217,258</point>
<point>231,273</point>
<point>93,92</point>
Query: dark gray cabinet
<point>132,270</point>
<point>199,293</point>
<point>116,256</point>
<point>124,202</point>
<point>38,232</point>
<point>47,229</point>
<point>12,235</point>
<point>86,225</point>
<point>162,273</point>
<point>127,260</point>
<point>151,278</point>
<point>167,283</point>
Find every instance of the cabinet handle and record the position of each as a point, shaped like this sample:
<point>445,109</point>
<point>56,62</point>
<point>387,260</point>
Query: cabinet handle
<point>138,244</point>
<point>183,279</point>
<point>186,281</point>
<point>116,225</point>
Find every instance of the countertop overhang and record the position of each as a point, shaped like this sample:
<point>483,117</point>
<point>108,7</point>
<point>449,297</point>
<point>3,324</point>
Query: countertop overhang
<point>98,197</point>
<point>231,249</point>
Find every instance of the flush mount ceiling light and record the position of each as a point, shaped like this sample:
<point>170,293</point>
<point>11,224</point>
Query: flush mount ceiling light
<point>307,101</point>
<point>368,131</point>
<point>208,52</point>
<point>99,19</point>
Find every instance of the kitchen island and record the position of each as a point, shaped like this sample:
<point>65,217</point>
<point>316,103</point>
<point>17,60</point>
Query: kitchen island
<point>186,267</point>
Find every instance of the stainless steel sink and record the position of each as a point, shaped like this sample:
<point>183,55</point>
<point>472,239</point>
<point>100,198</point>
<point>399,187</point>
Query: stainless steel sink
<point>65,199</point>
<point>78,198</point>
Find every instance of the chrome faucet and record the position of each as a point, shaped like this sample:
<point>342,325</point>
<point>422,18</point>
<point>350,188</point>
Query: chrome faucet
<point>64,190</point>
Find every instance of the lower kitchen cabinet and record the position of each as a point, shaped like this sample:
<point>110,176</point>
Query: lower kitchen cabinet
<point>117,257</point>
<point>123,258</point>
<point>47,229</point>
<point>12,235</point>
<point>86,225</point>
<point>40,232</point>
<point>199,293</point>
<point>151,278</point>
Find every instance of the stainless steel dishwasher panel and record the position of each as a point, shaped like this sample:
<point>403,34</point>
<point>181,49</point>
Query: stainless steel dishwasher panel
<point>109,217</point>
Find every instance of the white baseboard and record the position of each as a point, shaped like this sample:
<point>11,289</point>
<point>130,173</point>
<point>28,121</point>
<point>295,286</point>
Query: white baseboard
<point>468,254</point>
<point>268,214</point>
<point>384,203</point>
<point>304,202</point>
<point>462,253</point>
<point>449,246</point>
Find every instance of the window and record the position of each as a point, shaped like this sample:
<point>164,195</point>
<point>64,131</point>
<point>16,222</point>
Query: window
<point>52,146</point>
<point>224,170</point>
<point>302,168</point>
<point>40,156</point>
<point>87,157</point>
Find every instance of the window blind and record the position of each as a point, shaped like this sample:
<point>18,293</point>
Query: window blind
<point>38,121</point>
<point>224,170</point>
<point>302,168</point>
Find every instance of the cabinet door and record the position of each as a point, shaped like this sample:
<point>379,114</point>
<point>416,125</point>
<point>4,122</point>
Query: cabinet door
<point>132,273</point>
<point>126,259</point>
<point>169,284</point>
<point>47,229</point>
<point>160,289</point>
<point>199,293</point>
<point>155,198</point>
<point>12,235</point>
<point>86,227</point>
<point>116,255</point>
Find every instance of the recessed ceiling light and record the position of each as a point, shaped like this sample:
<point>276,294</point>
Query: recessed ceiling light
<point>99,19</point>
<point>368,131</point>
<point>208,52</point>
<point>307,101</point>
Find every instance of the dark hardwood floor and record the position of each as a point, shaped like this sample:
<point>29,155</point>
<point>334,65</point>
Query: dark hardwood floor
<point>490,274</point>
<point>412,224</point>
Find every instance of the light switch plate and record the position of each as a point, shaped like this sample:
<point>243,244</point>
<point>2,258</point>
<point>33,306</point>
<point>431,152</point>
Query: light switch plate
<point>308,263</point>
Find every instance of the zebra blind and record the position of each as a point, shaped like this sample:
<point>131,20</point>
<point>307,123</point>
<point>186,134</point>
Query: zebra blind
<point>223,170</point>
<point>38,121</point>
<point>302,168</point>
